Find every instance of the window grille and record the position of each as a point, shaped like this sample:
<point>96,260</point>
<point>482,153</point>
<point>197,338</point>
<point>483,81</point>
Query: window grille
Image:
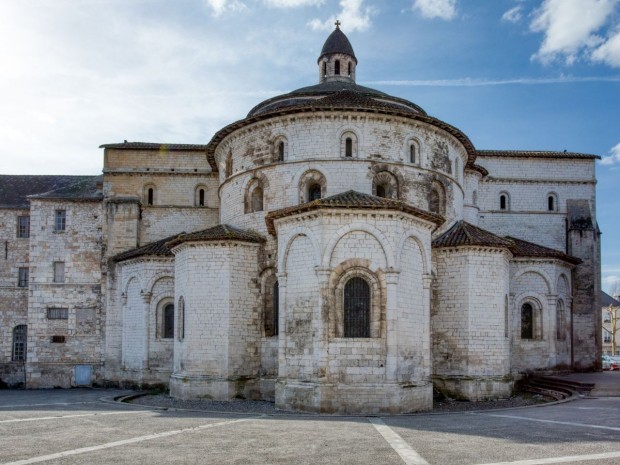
<point>527,322</point>
<point>57,313</point>
<point>168,320</point>
<point>59,272</point>
<point>23,227</point>
<point>23,275</point>
<point>59,339</point>
<point>20,334</point>
<point>60,220</point>
<point>276,308</point>
<point>356,308</point>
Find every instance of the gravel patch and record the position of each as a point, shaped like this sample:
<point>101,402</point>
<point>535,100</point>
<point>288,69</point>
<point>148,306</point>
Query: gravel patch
<point>268,408</point>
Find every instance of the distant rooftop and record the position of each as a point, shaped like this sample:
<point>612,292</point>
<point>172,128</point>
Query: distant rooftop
<point>16,189</point>
<point>154,146</point>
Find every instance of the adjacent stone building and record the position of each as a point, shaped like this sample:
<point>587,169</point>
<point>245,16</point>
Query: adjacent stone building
<point>337,250</point>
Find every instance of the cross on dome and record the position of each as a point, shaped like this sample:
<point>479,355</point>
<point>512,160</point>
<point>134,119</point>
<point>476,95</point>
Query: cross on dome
<point>337,23</point>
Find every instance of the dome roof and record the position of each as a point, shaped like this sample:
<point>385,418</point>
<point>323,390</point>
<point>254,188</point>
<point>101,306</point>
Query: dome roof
<point>337,42</point>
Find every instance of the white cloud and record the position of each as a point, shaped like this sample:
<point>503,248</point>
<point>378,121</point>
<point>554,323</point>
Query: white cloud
<point>293,3</point>
<point>469,82</point>
<point>613,158</point>
<point>222,6</point>
<point>609,52</point>
<point>443,9</point>
<point>571,27</point>
<point>513,15</point>
<point>354,15</point>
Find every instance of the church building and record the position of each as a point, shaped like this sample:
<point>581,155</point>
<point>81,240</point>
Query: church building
<point>337,250</point>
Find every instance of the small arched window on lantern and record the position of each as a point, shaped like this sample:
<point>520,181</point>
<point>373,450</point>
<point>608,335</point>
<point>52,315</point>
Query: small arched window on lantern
<point>349,69</point>
<point>337,67</point>
<point>504,201</point>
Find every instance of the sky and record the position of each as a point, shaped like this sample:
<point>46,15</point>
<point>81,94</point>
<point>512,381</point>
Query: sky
<point>511,74</point>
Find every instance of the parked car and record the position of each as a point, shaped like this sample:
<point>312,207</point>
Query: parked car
<point>606,362</point>
<point>615,363</point>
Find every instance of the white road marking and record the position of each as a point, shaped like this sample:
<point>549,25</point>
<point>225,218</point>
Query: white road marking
<point>404,450</point>
<point>43,405</point>
<point>555,422</point>
<point>61,417</point>
<point>566,459</point>
<point>124,442</point>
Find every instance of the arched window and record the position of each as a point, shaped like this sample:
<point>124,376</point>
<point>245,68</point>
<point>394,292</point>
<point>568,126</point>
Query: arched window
<point>552,204</point>
<point>349,73</point>
<point>181,319</point>
<point>348,151</point>
<point>356,308</point>
<point>281,151</point>
<point>504,201</point>
<point>314,192</point>
<point>149,195</point>
<point>337,67</point>
<point>201,196</point>
<point>20,335</point>
<point>433,201</point>
<point>381,191</point>
<point>168,322</point>
<point>560,321</point>
<point>276,309</point>
<point>385,185</point>
<point>324,68</point>
<point>412,153</point>
<point>257,199</point>
<point>229,165</point>
<point>348,144</point>
<point>437,199</point>
<point>527,321</point>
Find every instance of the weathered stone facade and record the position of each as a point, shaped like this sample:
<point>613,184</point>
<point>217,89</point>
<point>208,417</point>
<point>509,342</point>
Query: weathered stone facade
<point>338,250</point>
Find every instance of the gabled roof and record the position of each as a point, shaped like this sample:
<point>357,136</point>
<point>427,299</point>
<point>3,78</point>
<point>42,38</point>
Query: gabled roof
<point>155,146</point>
<point>521,248</point>
<point>15,189</point>
<point>465,234</point>
<point>85,188</point>
<point>352,200</point>
<point>217,233</point>
<point>153,249</point>
<point>534,154</point>
<point>608,301</point>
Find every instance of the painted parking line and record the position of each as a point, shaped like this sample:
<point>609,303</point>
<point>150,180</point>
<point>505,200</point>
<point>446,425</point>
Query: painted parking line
<point>555,422</point>
<point>566,459</point>
<point>404,450</point>
<point>45,405</point>
<point>124,442</point>
<point>62,417</point>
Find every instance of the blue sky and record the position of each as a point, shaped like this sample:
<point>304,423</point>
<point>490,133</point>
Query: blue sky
<point>512,74</point>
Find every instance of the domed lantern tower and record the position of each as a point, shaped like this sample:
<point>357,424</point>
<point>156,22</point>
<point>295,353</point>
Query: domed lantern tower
<point>337,61</point>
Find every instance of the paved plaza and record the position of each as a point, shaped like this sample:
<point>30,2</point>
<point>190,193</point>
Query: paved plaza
<point>78,427</point>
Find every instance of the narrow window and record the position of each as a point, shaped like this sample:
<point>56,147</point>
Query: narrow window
<point>59,272</point>
<point>201,198</point>
<point>349,68</point>
<point>59,339</point>
<point>22,279</point>
<point>356,308</point>
<point>434,201</point>
<point>503,202</point>
<point>229,165</point>
<point>551,205</point>
<point>348,147</point>
<point>324,68</point>
<point>276,309</point>
<point>412,153</point>
<point>337,67</point>
<point>560,321</point>
<point>60,220</point>
<point>57,313</point>
<point>527,322</point>
<point>281,151</point>
<point>150,196</point>
<point>20,333</point>
<point>314,192</point>
<point>181,317</point>
<point>168,322</point>
<point>474,198</point>
<point>381,191</point>
<point>506,316</point>
<point>257,200</point>
<point>23,227</point>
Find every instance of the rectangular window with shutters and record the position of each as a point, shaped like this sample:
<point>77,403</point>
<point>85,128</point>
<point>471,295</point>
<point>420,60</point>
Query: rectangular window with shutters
<point>57,313</point>
<point>23,227</point>
<point>22,280</point>
<point>59,272</point>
